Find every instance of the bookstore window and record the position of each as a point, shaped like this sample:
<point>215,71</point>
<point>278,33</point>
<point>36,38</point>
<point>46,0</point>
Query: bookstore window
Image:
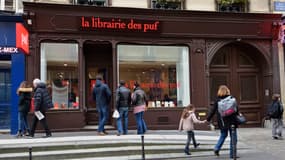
<point>162,71</point>
<point>59,69</point>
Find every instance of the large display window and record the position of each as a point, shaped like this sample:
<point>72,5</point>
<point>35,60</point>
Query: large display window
<point>59,69</point>
<point>162,71</point>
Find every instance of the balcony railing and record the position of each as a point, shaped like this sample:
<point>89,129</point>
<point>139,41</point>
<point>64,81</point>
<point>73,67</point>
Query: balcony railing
<point>167,4</point>
<point>92,2</point>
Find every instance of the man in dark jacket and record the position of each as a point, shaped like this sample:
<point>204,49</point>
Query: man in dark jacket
<point>275,112</point>
<point>102,97</point>
<point>42,103</point>
<point>123,102</point>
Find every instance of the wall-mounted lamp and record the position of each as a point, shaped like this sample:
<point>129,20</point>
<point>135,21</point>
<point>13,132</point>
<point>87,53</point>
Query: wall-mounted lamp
<point>199,51</point>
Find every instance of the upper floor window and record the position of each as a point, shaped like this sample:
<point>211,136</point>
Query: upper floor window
<point>232,5</point>
<point>167,4</point>
<point>93,2</point>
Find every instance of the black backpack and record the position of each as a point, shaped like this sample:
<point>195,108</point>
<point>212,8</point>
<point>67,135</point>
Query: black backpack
<point>274,110</point>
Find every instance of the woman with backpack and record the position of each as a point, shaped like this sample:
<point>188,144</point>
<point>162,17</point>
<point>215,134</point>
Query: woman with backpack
<point>275,113</point>
<point>226,119</point>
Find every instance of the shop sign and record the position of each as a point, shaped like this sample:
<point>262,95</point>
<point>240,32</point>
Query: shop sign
<point>22,38</point>
<point>119,25</point>
<point>8,50</point>
<point>279,6</point>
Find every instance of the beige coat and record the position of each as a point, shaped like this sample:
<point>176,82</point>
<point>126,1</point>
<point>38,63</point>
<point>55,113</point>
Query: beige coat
<point>187,124</point>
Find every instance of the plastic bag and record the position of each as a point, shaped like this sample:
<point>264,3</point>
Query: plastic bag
<point>116,114</point>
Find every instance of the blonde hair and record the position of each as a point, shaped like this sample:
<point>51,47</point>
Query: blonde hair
<point>185,112</point>
<point>223,91</point>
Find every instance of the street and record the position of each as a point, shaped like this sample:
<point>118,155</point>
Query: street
<point>253,144</point>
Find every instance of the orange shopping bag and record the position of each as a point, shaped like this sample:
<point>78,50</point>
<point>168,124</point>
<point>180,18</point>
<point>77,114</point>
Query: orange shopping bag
<point>32,108</point>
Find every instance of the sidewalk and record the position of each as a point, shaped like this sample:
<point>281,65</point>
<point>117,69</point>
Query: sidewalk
<point>253,144</point>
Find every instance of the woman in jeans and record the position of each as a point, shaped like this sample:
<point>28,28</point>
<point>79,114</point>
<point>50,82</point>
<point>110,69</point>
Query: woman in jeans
<point>225,123</point>
<point>25,95</point>
<point>139,102</point>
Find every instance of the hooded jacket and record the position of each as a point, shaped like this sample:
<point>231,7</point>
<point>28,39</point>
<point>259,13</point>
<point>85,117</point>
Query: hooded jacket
<point>101,94</point>
<point>25,96</point>
<point>42,99</point>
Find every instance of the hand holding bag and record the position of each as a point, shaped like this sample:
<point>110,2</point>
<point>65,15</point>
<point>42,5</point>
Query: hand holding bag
<point>116,114</point>
<point>240,119</point>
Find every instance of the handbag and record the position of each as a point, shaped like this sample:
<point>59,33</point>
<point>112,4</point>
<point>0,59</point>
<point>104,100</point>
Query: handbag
<point>240,118</point>
<point>116,114</point>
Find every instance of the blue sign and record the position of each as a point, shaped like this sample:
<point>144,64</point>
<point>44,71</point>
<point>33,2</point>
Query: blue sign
<point>279,6</point>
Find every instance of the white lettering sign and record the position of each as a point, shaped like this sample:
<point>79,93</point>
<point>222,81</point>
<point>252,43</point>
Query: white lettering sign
<point>8,50</point>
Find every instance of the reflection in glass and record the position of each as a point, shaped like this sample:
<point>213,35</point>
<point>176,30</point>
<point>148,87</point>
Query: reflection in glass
<point>59,69</point>
<point>162,71</point>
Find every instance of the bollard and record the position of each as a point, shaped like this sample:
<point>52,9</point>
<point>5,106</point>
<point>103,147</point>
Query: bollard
<point>143,154</point>
<point>234,145</point>
<point>30,153</point>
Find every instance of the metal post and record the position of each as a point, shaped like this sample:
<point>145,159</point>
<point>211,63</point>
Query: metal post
<point>30,153</point>
<point>143,153</point>
<point>234,145</point>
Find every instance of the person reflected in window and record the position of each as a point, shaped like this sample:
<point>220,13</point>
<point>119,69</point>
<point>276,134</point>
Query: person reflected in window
<point>25,96</point>
<point>167,98</point>
<point>123,102</point>
<point>102,97</point>
<point>139,102</point>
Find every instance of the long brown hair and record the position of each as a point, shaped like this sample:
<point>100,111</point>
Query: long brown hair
<point>185,112</point>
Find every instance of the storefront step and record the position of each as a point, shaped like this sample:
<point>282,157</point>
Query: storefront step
<point>95,127</point>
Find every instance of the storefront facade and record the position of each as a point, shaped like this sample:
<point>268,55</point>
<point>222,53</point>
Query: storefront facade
<point>179,57</point>
<point>14,46</point>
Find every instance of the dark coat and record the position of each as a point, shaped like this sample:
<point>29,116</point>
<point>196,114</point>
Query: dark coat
<point>276,104</point>
<point>223,123</point>
<point>25,96</point>
<point>139,97</point>
<point>42,99</point>
<point>101,94</point>
<point>123,97</point>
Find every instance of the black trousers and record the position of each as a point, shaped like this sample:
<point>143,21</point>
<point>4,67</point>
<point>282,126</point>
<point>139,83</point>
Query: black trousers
<point>43,123</point>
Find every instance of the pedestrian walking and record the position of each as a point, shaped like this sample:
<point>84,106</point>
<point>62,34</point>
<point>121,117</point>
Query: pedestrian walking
<point>226,109</point>
<point>25,95</point>
<point>187,120</point>
<point>102,97</point>
<point>139,102</point>
<point>123,102</point>
<point>275,113</point>
<point>42,102</point>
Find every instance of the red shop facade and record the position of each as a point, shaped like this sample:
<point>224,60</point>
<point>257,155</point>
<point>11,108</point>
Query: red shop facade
<point>179,57</point>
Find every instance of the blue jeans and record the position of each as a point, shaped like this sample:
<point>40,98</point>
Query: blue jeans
<point>190,135</point>
<point>141,126</point>
<point>23,122</point>
<point>124,112</point>
<point>103,116</point>
<point>223,136</point>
